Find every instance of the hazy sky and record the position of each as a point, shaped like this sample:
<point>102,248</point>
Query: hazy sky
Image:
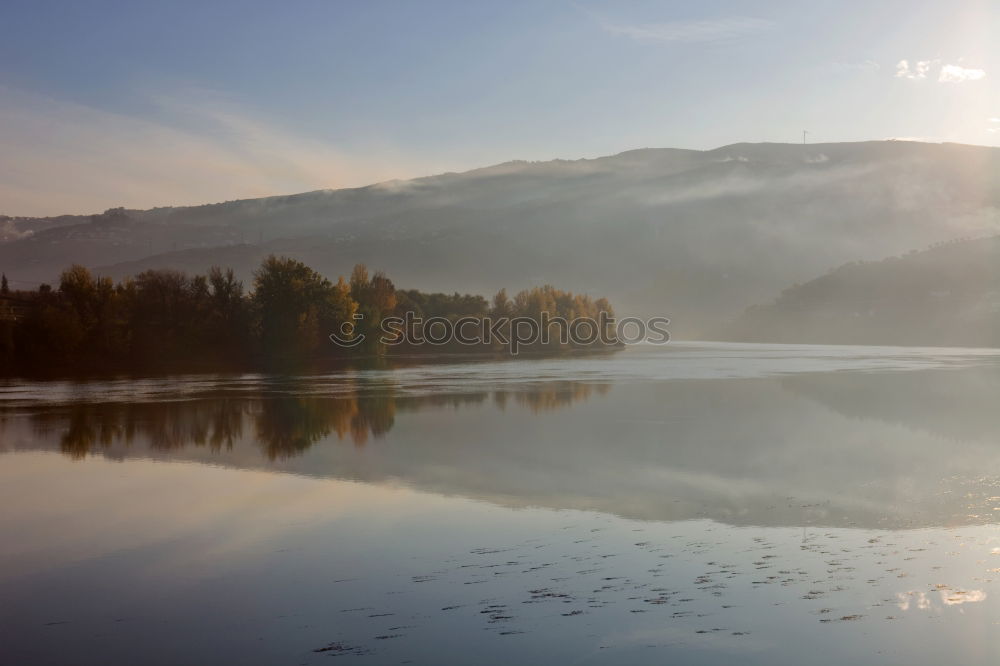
<point>157,103</point>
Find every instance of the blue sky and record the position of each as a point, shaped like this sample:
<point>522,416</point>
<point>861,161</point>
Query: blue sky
<point>142,104</point>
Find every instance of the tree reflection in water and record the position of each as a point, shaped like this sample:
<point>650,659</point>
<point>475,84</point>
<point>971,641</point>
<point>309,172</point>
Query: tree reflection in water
<point>283,422</point>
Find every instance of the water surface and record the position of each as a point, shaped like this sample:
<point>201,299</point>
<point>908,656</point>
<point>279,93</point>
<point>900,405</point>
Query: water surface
<point>701,503</point>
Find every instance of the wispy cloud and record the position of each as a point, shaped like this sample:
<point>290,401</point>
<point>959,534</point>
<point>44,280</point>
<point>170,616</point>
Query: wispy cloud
<point>706,30</point>
<point>958,74</point>
<point>916,70</point>
<point>76,158</point>
<point>922,69</point>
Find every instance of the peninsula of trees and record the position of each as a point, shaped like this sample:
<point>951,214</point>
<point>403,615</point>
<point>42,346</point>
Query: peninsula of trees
<point>164,320</point>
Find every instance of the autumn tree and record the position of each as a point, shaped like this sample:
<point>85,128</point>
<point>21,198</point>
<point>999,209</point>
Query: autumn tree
<point>501,306</point>
<point>376,299</point>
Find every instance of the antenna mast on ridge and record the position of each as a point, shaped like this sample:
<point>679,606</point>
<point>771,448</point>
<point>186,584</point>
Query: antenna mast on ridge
<point>804,132</point>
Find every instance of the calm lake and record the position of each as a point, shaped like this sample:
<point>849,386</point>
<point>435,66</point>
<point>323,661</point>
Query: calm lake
<point>691,503</point>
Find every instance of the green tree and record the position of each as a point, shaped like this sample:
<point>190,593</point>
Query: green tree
<point>70,318</point>
<point>298,308</point>
<point>163,318</point>
<point>228,318</point>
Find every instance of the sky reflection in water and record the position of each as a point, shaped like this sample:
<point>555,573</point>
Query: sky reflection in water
<point>701,502</point>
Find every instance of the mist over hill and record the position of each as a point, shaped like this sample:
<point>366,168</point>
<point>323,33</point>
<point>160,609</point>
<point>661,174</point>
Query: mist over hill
<point>947,295</point>
<point>693,235</point>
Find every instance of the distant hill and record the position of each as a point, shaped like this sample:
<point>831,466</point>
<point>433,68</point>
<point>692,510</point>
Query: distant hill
<point>945,296</point>
<point>693,235</point>
<point>16,228</point>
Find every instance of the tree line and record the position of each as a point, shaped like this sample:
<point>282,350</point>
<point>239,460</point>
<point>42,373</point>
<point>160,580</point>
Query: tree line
<point>167,320</point>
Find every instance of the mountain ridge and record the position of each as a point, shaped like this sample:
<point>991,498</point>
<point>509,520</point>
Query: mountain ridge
<point>693,235</point>
<point>83,217</point>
